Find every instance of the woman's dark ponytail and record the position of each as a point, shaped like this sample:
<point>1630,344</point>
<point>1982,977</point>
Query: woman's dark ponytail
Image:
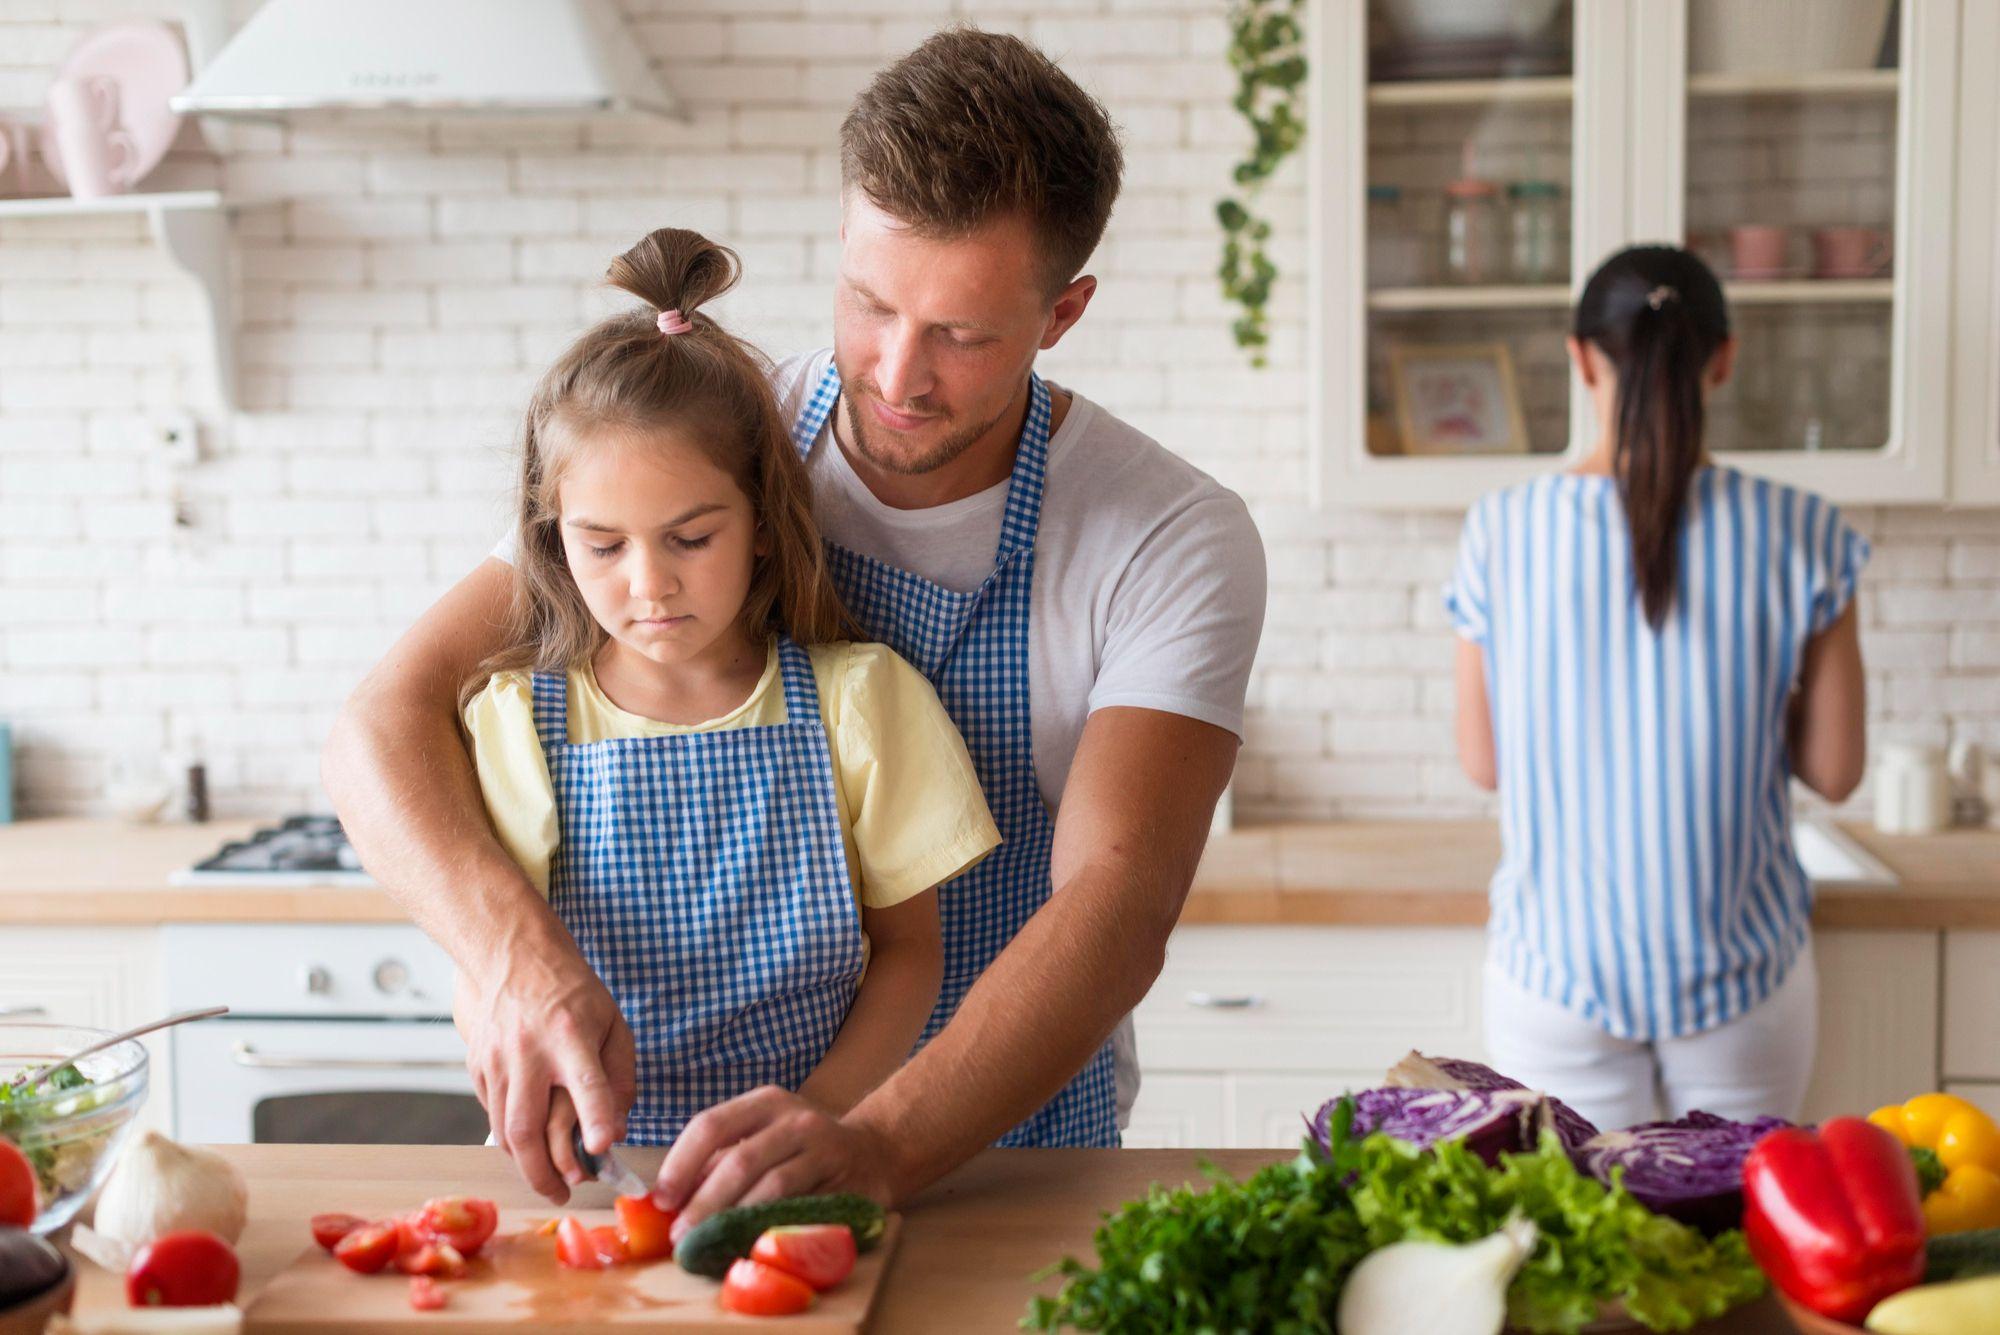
<point>1658,313</point>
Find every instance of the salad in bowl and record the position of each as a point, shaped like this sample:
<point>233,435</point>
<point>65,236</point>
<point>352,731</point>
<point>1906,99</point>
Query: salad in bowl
<point>67,1118</point>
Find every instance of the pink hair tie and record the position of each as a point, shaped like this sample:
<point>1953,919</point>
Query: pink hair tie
<point>673,322</point>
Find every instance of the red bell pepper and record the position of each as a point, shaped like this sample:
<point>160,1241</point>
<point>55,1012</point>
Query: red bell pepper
<point>1834,1217</point>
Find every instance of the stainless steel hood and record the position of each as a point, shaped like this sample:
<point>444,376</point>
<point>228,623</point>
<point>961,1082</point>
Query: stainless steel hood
<point>561,56</point>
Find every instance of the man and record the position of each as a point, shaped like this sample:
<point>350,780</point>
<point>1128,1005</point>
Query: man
<point>1086,604</point>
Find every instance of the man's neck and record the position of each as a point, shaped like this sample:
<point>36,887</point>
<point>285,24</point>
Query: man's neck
<point>987,462</point>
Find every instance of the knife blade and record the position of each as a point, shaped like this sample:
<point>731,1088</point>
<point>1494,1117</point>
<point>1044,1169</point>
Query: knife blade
<point>607,1167</point>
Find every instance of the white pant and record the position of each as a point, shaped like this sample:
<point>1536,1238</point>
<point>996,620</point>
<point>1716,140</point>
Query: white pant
<point>1757,1065</point>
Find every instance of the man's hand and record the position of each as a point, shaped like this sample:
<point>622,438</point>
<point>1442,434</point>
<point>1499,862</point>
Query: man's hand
<point>766,1145</point>
<point>547,1036</point>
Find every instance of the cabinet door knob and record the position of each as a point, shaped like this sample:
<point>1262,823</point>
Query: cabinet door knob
<point>1218,1001</point>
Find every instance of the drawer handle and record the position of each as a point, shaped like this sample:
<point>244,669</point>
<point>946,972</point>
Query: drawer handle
<point>1225,1001</point>
<point>20,1012</point>
<point>245,1055</point>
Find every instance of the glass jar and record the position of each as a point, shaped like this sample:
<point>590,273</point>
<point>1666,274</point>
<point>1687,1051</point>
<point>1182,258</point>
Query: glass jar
<point>1535,231</point>
<point>1395,252</point>
<point>1473,244</point>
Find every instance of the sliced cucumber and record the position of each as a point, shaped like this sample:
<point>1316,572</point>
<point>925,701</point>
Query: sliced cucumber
<point>709,1247</point>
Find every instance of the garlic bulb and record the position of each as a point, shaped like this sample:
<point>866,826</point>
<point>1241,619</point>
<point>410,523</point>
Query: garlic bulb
<point>1436,1288</point>
<point>158,1186</point>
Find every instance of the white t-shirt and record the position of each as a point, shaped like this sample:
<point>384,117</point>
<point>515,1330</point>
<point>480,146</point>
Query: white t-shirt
<point>1149,581</point>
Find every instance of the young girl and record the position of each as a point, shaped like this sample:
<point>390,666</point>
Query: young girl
<point>1652,646</point>
<point>740,816</point>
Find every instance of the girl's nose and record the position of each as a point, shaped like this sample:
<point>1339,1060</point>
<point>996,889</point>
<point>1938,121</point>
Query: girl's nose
<point>654,578</point>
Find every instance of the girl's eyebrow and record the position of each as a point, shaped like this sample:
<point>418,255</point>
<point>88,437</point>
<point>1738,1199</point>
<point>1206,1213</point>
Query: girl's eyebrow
<point>696,512</point>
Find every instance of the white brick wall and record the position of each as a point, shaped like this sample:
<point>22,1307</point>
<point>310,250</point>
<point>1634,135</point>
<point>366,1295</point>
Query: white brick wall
<point>415,274</point>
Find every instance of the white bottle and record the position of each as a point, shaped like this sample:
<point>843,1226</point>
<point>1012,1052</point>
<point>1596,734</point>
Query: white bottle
<point>1912,790</point>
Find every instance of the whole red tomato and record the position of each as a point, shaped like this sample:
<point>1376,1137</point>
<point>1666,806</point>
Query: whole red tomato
<point>17,1186</point>
<point>188,1268</point>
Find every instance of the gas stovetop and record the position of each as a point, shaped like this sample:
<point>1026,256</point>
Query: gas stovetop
<point>304,850</point>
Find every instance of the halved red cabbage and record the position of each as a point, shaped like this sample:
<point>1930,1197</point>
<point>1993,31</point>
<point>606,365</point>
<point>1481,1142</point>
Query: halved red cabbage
<point>1691,1169</point>
<point>1417,1071</point>
<point>1490,1122</point>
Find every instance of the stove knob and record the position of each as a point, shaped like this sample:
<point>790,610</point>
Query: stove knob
<point>317,980</point>
<point>391,977</point>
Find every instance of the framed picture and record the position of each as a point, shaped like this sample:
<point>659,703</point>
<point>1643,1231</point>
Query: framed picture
<point>1456,398</point>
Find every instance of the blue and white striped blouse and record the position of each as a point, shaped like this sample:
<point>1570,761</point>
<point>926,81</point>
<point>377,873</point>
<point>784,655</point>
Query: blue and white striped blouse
<point>1648,881</point>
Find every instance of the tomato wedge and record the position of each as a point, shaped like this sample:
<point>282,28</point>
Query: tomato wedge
<point>328,1229</point>
<point>574,1246</point>
<point>426,1295</point>
<point>466,1222</point>
<point>755,1289</point>
<point>820,1254</point>
<point>189,1268</point>
<point>368,1248</point>
<point>610,1244</point>
<point>648,1230</point>
<point>433,1258</point>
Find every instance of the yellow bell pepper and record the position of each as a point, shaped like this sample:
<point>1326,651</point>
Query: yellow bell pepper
<point>1967,1142</point>
<point>1963,1307</point>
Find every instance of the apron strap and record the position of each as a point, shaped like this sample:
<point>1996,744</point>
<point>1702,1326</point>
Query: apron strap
<point>796,674</point>
<point>551,696</point>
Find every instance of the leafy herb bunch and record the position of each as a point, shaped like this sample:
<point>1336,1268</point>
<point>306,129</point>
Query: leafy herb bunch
<point>1265,51</point>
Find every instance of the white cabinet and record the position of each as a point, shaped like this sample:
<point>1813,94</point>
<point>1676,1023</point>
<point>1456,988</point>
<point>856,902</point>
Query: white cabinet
<point>1878,1020</point>
<point>1827,184</point>
<point>1972,1006</point>
<point>101,977</point>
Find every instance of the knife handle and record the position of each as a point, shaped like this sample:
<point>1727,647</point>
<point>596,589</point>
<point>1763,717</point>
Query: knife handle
<point>590,1163</point>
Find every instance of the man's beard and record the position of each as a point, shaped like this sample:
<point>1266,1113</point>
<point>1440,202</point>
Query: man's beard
<point>937,456</point>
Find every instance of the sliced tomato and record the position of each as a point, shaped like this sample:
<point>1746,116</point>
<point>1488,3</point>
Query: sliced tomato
<point>433,1258</point>
<point>466,1222</point>
<point>648,1230</point>
<point>610,1244</point>
<point>820,1254</point>
<point>368,1248</point>
<point>755,1289</point>
<point>191,1267</point>
<point>426,1295</point>
<point>17,1186</point>
<point>574,1247</point>
<point>331,1228</point>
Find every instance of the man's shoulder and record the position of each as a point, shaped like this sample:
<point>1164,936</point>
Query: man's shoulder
<point>1103,470</point>
<point>793,377</point>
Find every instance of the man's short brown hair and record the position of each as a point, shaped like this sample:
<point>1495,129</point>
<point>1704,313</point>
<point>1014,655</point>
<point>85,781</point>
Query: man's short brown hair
<point>972,126</point>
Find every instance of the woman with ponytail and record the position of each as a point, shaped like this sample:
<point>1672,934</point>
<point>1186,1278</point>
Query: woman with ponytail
<point>738,814</point>
<point>1651,647</point>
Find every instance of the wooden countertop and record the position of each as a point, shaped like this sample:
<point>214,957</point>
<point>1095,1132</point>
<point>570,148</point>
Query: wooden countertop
<point>968,1245</point>
<point>1345,873</point>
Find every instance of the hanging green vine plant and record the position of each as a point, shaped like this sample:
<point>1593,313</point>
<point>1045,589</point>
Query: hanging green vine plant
<point>1266,51</point>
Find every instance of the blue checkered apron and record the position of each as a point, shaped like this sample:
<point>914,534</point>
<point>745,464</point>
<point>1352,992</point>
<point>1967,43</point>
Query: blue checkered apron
<point>974,649</point>
<point>703,876</point>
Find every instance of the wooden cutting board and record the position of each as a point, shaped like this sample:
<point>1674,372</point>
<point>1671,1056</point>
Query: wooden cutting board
<point>516,1283</point>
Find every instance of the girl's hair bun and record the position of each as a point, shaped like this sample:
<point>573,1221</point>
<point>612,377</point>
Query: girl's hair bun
<point>674,269</point>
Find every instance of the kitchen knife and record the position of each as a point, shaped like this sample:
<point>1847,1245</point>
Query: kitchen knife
<point>607,1167</point>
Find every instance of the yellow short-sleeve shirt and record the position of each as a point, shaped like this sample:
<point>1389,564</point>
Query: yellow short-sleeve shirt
<point>911,811</point>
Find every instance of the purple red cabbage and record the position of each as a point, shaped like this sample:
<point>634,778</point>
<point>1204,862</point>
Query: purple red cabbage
<point>1490,1122</point>
<point>1417,1071</point>
<point>1691,1169</point>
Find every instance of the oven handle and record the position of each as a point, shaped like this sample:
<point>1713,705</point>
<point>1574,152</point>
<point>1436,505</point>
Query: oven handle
<point>245,1055</point>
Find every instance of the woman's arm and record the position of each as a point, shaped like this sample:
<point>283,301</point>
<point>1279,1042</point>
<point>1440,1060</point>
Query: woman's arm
<point>1475,719</point>
<point>1829,712</point>
<point>905,969</point>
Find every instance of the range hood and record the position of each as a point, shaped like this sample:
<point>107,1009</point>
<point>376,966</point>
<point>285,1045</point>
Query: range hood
<point>564,56</point>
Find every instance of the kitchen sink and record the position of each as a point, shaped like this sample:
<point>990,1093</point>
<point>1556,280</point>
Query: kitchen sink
<point>1835,861</point>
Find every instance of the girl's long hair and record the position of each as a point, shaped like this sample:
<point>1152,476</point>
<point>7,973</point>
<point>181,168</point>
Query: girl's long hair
<point>627,378</point>
<point>1659,315</point>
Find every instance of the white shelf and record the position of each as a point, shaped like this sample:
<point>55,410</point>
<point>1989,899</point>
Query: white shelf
<point>63,206</point>
<point>1504,297</point>
<point>192,227</point>
<point>1811,291</point>
<point>1795,83</point>
<point>1468,92</point>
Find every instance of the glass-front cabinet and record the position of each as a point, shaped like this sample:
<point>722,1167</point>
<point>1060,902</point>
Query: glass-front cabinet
<point>1499,149</point>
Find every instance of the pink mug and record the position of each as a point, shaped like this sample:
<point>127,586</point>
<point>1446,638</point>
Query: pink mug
<point>1758,250</point>
<point>1850,252</point>
<point>96,153</point>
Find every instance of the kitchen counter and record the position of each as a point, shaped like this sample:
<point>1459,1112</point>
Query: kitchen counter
<point>1344,873</point>
<point>968,1244</point>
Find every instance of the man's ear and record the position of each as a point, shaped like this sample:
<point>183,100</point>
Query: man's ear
<point>1068,309</point>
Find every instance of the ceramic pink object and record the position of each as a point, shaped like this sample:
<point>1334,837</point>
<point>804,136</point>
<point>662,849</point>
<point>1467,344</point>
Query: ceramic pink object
<point>109,123</point>
<point>1757,250</point>
<point>1850,252</point>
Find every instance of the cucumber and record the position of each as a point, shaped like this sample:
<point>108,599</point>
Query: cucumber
<point>1962,1255</point>
<point>709,1247</point>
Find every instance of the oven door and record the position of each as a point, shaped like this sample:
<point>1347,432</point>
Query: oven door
<point>370,1082</point>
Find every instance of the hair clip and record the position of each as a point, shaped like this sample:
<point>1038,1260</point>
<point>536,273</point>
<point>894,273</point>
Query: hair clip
<point>673,322</point>
<point>1661,295</point>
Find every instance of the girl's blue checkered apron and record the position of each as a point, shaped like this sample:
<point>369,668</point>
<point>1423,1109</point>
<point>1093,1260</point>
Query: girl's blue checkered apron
<point>974,649</point>
<point>702,875</point>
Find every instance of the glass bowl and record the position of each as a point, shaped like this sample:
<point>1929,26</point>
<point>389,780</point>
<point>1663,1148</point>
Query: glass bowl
<point>70,1135</point>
